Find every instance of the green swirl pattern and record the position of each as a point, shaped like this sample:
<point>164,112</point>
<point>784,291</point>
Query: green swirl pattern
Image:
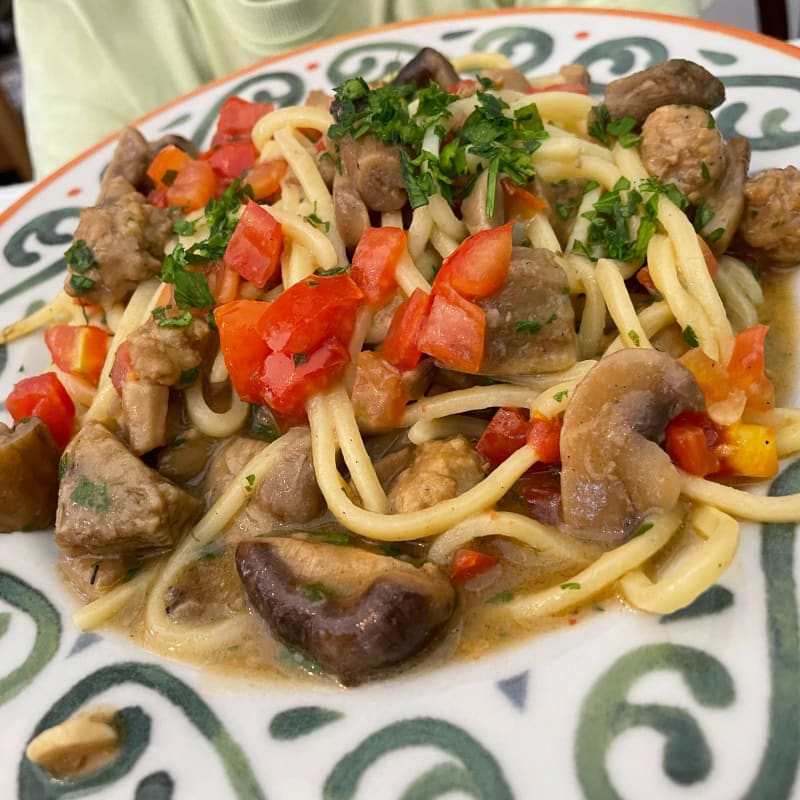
<point>134,726</point>
<point>477,774</point>
<point>370,61</point>
<point>606,714</point>
<point>32,602</point>
<point>510,40</point>
<point>622,55</point>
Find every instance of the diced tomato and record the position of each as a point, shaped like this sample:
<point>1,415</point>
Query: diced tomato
<point>711,375</point>
<point>45,397</point>
<point>469,563</point>
<point>222,281</point>
<point>748,451</point>
<point>747,368</point>
<point>193,187</point>
<point>401,345</point>
<point>254,250</point>
<point>243,347</point>
<point>230,160</point>
<point>310,311</point>
<point>287,380</point>
<point>265,177</point>
<point>573,88</point>
<point>465,87</point>
<point>690,439</point>
<point>78,349</point>
<point>544,436</point>
<point>504,435</point>
<point>374,263</point>
<point>237,118</point>
<point>453,331</point>
<point>710,258</point>
<point>540,493</point>
<point>478,267</point>
<point>646,280</point>
<point>166,165</point>
<point>519,202</point>
<point>122,368</point>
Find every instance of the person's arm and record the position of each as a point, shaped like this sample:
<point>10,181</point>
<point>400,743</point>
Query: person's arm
<point>91,66</point>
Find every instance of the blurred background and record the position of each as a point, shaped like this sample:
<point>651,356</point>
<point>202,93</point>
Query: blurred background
<point>778,18</point>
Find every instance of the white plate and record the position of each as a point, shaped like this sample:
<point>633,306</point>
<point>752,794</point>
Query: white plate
<point>619,705</point>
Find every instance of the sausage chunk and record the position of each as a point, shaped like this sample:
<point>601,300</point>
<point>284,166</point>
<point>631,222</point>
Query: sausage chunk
<point>441,470</point>
<point>680,146</point>
<point>770,226</point>
<point>111,504</point>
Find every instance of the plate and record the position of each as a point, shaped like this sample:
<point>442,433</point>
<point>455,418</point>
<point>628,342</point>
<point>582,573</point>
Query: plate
<point>702,703</point>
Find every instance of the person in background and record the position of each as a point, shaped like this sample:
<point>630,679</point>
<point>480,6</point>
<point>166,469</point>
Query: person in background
<point>91,66</point>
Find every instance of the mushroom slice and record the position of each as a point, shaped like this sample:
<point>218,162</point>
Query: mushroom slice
<point>351,611</point>
<point>428,66</point>
<point>614,472</point>
<point>677,81</point>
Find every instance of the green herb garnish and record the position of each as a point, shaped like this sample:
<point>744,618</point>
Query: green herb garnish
<point>92,496</point>
<point>689,336</point>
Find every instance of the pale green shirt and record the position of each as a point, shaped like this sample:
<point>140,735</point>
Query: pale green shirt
<point>91,66</point>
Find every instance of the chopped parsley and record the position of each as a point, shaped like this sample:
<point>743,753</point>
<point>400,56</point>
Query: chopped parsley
<point>80,257</point>
<point>634,337</point>
<point>532,325</point>
<point>80,283</point>
<point>316,591</point>
<point>325,273</point>
<point>92,496</point>
<point>703,215</point>
<point>570,585</point>
<point>183,227</point>
<point>251,479</point>
<point>704,171</point>
<point>314,219</point>
<point>188,376</point>
<point>643,528</point>
<point>502,140</point>
<point>603,127</point>
<point>299,359</point>
<point>164,321</point>
<point>501,597</point>
<point>559,396</point>
<point>689,336</point>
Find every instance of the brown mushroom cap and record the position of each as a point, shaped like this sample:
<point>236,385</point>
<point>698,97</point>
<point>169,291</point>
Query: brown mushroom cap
<point>677,81</point>
<point>351,611</point>
<point>427,66</point>
<point>614,472</point>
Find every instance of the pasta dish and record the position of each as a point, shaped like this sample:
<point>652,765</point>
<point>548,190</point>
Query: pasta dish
<point>410,369</point>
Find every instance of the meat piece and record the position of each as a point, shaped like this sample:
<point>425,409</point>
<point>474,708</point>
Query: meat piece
<point>28,476</point>
<point>352,217</point>
<point>770,228</point>
<point>145,407</point>
<point>380,393</point>
<point>442,469</point>
<point>125,236</point>
<point>133,155</point>
<point>674,82</point>
<point>679,146</point>
<point>374,168</point>
<point>93,577</point>
<point>162,355</point>
<point>536,299</point>
<point>726,198</point>
<point>614,472</point>
<point>289,491</point>
<point>507,78</point>
<point>353,612</point>
<point>428,66</point>
<point>473,207</point>
<point>111,504</point>
<point>575,73</point>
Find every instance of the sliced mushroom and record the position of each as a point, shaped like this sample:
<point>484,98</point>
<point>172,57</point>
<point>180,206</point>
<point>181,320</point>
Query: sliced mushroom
<point>677,81</point>
<point>614,472</point>
<point>28,476</point>
<point>374,168</point>
<point>352,217</point>
<point>726,199</point>
<point>353,612</point>
<point>473,207</point>
<point>428,66</point>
